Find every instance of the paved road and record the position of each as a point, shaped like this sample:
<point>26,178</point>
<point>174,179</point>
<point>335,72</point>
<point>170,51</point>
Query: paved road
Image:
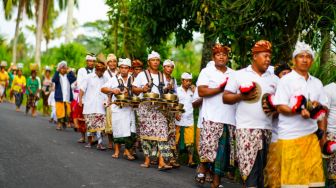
<point>33,154</point>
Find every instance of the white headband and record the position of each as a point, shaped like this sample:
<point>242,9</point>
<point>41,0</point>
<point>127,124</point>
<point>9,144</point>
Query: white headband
<point>302,47</point>
<point>186,76</point>
<point>169,62</point>
<point>111,57</point>
<point>90,58</point>
<point>61,64</point>
<point>126,62</point>
<point>47,68</point>
<point>153,55</point>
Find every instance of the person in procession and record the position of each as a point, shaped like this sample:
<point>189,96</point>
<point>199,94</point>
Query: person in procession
<point>153,122</point>
<point>93,109</point>
<point>123,121</point>
<point>253,127</point>
<point>63,78</point>
<point>301,103</point>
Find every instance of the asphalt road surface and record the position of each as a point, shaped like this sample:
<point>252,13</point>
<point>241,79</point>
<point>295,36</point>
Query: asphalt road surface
<point>33,154</point>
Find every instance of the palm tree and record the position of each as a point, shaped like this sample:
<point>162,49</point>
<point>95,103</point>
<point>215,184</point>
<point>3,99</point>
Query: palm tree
<point>23,6</point>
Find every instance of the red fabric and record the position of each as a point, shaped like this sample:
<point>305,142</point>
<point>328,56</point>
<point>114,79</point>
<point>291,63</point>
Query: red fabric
<point>77,111</point>
<point>300,100</point>
<point>328,146</point>
<point>247,89</point>
<point>222,85</point>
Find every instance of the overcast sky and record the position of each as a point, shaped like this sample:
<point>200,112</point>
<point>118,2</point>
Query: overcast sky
<point>87,11</point>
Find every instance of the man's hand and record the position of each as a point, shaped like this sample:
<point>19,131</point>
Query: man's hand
<point>193,88</point>
<point>250,96</point>
<point>178,117</point>
<point>116,91</point>
<point>305,114</point>
<point>145,88</point>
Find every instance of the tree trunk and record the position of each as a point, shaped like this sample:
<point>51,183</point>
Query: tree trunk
<point>17,29</point>
<point>326,46</point>
<point>209,42</point>
<point>39,33</point>
<point>68,30</point>
<point>116,26</point>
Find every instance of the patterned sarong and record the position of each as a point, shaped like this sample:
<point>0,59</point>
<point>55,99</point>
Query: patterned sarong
<point>331,161</point>
<point>210,135</point>
<point>108,125</point>
<point>249,142</point>
<point>95,122</point>
<point>222,160</point>
<point>153,123</point>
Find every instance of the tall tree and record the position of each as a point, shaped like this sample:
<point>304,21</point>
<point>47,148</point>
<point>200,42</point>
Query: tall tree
<point>40,13</point>
<point>22,6</point>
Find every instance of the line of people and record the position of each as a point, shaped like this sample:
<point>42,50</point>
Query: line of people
<point>273,126</point>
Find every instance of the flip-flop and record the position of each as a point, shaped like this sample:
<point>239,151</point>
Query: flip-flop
<point>165,167</point>
<point>129,157</point>
<point>200,178</point>
<point>145,165</point>
<point>115,156</point>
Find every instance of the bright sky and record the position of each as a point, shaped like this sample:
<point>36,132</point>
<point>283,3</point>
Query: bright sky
<point>87,11</point>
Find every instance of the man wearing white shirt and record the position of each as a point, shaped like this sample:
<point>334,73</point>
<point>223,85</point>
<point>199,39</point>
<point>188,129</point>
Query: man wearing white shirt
<point>110,72</point>
<point>93,109</point>
<point>301,159</point>
<point>185,122</point>
<point>123,120</point>
<point>171,87</point>
<point>253,127</point>
<point>153,123</point>
<point>63,95</point>
<point>216,115</point>
<point>330,91</point>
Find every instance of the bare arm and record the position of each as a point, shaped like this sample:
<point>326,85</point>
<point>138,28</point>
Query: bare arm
<point>205,91</point>
<point>197,103</point>
<point>231,98</point>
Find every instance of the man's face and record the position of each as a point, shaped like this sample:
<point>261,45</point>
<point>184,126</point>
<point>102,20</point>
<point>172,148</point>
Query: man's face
<point>303,61</point>
<point>63,70</point>
<point>168,69</point>
<point>124,70</point>
<point>100,69</point>
<point>137,70</point>
<point>154,63</point>
<point>262,60</point>
<point>220,59</point>
<point>186,83</point>
<point>112,64</point>
<point>90,64</point>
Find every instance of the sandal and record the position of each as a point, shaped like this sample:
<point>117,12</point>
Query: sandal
<point>164,167</point>
<point>81,141</point>
<point>200,178</point>
<point>129,157</point>
<point>208,178</point>
<point>174,164</point>
<point>115,156</point>
<point>88,145</point>
<point>144,165</point>
<point>101,147</point>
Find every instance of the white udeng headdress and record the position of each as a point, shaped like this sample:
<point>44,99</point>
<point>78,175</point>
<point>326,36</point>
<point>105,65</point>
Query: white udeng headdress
<point>111,57</point>
<point>186,75</point>
<point>90,58</point>
<point>61,64</point>
<point>153,54</point>
<point>126,62</point>
<point>169,62</point>
<point>302,47</point>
